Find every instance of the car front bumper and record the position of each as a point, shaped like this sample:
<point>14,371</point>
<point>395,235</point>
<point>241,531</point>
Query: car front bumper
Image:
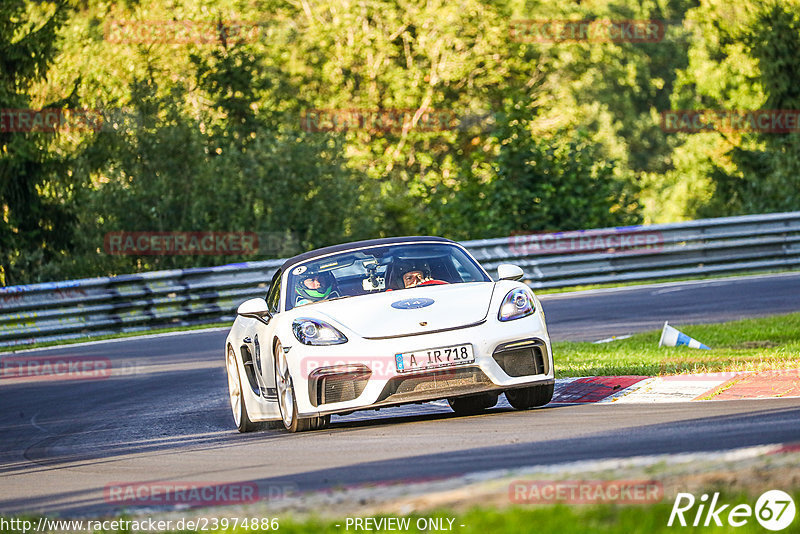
<point>362,374</point>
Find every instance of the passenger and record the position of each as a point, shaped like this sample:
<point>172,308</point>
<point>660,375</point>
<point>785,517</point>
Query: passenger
<point>314,287</point>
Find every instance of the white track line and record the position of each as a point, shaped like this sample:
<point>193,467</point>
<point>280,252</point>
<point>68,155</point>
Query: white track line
<point>709,281</point>
<point>120,339</point>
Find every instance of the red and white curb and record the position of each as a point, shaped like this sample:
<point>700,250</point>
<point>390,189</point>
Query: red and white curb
<point>678,388</point>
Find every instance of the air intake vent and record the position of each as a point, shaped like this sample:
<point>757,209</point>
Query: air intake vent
<point>522,358</point>
<point>338,383</point>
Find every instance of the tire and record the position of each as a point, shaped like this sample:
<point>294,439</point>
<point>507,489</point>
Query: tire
<point>320,423</point>
<point>286,401</point>
<point>530,397</point>
<point>473,404</point>
<point>236,395</point>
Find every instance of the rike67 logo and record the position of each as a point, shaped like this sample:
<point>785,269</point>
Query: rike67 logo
<point>774,510</point>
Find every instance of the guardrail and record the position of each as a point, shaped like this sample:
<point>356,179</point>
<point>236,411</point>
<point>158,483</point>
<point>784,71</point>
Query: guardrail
<point>130,303</point>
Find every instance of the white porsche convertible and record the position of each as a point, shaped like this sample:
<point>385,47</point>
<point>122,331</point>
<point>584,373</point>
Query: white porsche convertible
<point>386,322</point>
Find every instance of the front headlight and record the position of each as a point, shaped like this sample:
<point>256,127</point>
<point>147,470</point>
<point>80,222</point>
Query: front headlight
<point>517,304</point>
<point>316,332</point>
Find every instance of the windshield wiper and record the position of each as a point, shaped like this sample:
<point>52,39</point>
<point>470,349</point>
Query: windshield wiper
<point>336,298</point>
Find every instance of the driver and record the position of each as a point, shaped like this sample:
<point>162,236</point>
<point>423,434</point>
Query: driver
<point>314,287</point>
<point>417,273</point>
<point>415,278</point>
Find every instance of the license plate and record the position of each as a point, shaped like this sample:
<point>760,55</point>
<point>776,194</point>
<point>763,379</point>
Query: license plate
<point>434,358</point>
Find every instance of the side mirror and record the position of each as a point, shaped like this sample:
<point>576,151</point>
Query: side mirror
<point>508,271</point>
<point>256,309</point>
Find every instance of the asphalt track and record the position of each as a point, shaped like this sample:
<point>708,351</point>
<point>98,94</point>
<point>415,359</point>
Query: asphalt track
<point>166,417</point>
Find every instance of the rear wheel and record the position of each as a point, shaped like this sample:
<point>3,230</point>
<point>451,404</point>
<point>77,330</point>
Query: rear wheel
<point>473,404</point>
<point>530,397</point>
<point>286,401</point>
<point>236,395</point>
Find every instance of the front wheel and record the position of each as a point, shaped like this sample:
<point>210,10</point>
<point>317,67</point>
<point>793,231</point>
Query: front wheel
<point>320,423</point>
<point>286,402</point>
<point>530,397</point>
<point>236,395</point>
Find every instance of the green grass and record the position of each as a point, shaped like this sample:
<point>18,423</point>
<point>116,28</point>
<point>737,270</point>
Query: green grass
<point>148,332</point>
<point>750,344</point>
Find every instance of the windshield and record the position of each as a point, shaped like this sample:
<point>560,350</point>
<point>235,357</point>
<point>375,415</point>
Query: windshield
<point>379,269</point>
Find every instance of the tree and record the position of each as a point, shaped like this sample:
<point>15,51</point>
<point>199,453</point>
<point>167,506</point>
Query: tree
<point>233,165</point>
<point>767,165</point>
<point>560,183</point>
<point>36,222</point>
<point>744,58</point>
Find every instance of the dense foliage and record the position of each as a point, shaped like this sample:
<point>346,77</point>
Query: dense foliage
<point>208,122</point>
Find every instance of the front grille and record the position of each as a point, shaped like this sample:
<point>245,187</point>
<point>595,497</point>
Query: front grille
<point>463,380</point>
<point>522,358</point>
<point>337,384</point>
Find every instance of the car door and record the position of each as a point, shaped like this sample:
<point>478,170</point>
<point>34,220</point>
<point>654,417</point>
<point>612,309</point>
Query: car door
<point>263,338</point>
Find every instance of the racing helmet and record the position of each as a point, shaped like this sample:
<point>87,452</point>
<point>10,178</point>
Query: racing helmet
<point>403,266</point>
<point>326,282</point>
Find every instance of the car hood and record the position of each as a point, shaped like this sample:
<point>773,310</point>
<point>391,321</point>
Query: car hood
<point>411,311</point>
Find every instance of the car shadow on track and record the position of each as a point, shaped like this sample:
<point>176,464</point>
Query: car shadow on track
<point>367,420</point>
